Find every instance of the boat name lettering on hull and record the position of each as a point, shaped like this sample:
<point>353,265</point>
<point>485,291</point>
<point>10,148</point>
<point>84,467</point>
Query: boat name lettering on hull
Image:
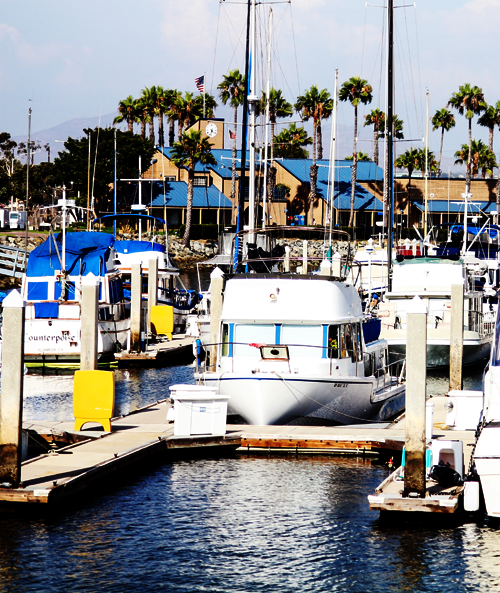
<point>56,339</point>
<point>341,385</point>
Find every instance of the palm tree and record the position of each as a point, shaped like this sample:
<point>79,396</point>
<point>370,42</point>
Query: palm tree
<point>190,150</point>
<point>169,97</point>
<point>355,90</point>
<point>158,98</point>
<point>489,119</point>
<point>232,90</point>
<point>432,164</point>
<point>141,115</point>
<point>482,158</point>
<point>361,157</point>
<point>149,100</point>
<point>375,118</point>
<point>126,112</point>
<point>445,120</point>
<point>409,160</point>
<point>290,142</point>
<point>468,101</point>
<point>312,104</point>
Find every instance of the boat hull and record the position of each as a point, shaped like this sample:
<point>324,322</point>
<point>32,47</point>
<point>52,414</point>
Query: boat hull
<point>59,340</point>
<point>264,399</point>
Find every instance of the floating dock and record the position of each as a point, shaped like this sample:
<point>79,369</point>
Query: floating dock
<point>82,461</point>
<point>93,456</point>
<point>179,350</point>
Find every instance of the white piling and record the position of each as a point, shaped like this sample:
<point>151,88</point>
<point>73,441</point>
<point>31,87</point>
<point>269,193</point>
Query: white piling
<point>136,308</point>
<point>304,256</point>
<point>90,320</point>
<point>416,377</point>
<point>11,399</point>
<point>216,300</point>
<point>457,336</point>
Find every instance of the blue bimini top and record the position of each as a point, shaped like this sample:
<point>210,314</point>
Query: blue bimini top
<point>86,252</point>
<point>137,246</point>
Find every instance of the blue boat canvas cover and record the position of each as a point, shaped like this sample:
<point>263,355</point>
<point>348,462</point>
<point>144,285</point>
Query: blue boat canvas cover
<point>86,252</point>
<point>137,246</point>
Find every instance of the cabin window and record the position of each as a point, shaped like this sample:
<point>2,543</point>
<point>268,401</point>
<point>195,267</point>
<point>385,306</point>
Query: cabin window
<point>252,334</point>
<point>347,341</point>
<point>38,291</point>
<point>303,340</point>
<point>333,341</point>
<point>225,339</point>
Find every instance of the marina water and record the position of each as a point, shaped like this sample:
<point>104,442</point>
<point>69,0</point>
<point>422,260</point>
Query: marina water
<point>244,523</point>
<point>247,523</point>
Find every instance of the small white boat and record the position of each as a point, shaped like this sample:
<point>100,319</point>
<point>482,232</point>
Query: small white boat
<point>52,289</point>
<point>293,347</point>
<point>431,278</point>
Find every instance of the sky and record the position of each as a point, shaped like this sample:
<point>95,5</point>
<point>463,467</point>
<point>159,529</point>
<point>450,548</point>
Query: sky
<point>76,59</point>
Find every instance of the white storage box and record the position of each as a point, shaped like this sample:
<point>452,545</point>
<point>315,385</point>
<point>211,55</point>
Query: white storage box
<point>467,406</point>
<point>198,410</point>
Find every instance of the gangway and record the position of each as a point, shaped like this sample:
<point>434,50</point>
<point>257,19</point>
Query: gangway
<point>13,261</point>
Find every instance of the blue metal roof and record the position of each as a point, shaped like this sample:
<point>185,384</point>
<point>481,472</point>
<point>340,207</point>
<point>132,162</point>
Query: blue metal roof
<point>176,196</point>
<point>300,168</point>
<point>454,207</point>
<point>223,167</point>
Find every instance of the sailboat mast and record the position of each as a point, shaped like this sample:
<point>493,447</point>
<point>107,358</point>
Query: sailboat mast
<point>333,154</point>
<point>266,135</point>
<point>242,184</point>
<point>252,100</point>
<point>390,146</point>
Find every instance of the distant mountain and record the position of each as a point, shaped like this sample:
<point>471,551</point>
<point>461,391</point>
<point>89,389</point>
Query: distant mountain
<point>72,128</point>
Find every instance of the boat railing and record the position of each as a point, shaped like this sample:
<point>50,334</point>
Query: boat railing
<point>367,364</point>
<point>263,251</point>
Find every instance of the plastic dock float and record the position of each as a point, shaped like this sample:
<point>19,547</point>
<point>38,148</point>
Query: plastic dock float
<point>179,350</point>
<point>86,466</point>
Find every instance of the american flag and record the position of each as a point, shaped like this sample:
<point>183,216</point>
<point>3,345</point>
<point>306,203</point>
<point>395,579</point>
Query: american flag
<point>200,83</point>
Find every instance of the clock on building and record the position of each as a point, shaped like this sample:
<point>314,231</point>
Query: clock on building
<point>211,130</point>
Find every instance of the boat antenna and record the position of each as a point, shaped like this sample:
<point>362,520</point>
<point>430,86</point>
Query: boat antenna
<point>266,136</point>
<point>28,151</point>
<point>333,153</point>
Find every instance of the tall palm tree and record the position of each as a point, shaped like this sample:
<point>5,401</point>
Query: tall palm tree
<point>190,150</point>
<point>312,104</point>
<point>361,157</point>
<point>409,160</point>
<point>232,90</point>
<point>169,97</point>
<point>290,142</point>
<point>355,90</point>
<point>489,119</point>
<point>430,162</point>
<point>149,99</point>
<point>481,158</point>
<point>141,115</point>
<point>445,120</point>
<point>126,112</point>
<point>468,101</point>
<point>158,97</point>
<point>375,118</point>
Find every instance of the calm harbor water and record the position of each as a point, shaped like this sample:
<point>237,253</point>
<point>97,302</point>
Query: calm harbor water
<point>242,524</point>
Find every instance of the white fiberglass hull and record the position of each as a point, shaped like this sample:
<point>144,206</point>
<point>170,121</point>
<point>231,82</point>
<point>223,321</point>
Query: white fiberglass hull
<point>59,340</point>
<point>487,460</point>
<point>265,398</point>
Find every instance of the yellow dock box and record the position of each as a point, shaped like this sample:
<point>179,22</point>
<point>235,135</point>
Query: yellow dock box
<point>162,320</point>
<point>93,398</point>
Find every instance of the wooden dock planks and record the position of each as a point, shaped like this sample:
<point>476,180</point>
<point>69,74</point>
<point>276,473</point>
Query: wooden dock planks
<point>179,350</point>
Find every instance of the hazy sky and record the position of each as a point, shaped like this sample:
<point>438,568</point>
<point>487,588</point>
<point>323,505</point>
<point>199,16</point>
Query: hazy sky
<point>78,58</point>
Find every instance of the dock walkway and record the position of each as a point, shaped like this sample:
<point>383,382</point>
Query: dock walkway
<point>92,455</point>
<point>135,439</point>
<point>179,350</point>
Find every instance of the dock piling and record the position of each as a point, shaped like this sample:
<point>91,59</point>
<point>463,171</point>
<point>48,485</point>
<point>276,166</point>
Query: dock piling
<point>216,300</point>
<point>457,336</point>
<point>135,308</point>
<point>11,400</point>
<point>416,377</point>
<point>152,288</point>
<point>90,314</point>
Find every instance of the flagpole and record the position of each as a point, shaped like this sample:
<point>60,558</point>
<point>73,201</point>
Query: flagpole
<point>204,76</point>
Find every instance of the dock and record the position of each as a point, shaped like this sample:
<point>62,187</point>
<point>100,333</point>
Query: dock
<point>93,457</point>
<point>164,352</point>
